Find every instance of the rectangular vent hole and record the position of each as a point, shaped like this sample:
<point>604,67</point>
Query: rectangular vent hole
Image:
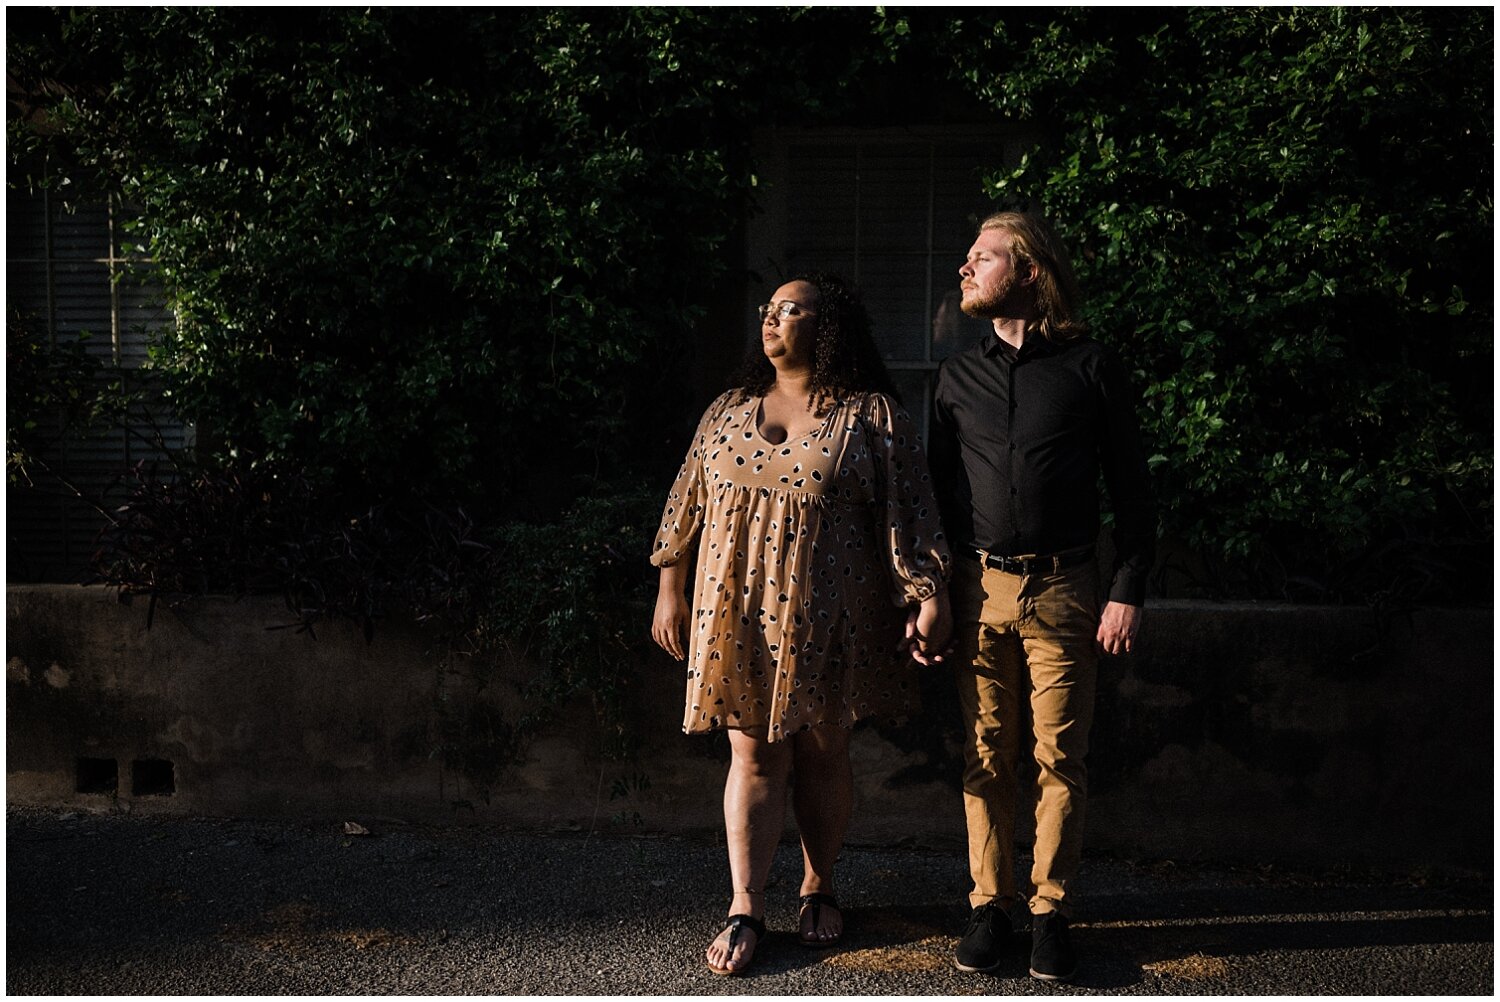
<point>98,775</point>
<point>150,777</point>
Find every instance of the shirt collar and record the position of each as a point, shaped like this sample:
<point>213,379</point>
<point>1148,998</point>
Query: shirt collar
<point>1035,344</point>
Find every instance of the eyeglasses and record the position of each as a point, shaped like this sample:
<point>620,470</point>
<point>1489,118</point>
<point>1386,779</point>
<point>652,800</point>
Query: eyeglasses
<point>784,310</point>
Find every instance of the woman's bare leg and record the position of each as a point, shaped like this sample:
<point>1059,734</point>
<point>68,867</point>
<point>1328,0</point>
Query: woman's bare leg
<point>754,818</point>
<point>822,799</point>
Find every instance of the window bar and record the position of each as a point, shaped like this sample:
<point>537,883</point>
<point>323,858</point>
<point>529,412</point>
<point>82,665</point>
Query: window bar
<point>114,284</point>
<point>48,276</point>
<point>49,272</point>
<point>116,348</point>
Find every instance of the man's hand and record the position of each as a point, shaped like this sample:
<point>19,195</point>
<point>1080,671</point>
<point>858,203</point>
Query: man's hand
<point>1118,626</point>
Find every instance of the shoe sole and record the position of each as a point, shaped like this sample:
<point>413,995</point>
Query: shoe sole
<point>819,944</point>
<point>979,970</point>
<point>1052,977</point>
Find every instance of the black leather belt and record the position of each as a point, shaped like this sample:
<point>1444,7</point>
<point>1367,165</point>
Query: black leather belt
<point>1034,565</point>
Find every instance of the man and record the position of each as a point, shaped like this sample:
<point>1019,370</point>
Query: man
<point>1023,425</point>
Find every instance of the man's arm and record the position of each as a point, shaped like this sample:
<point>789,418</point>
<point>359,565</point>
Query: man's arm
<point>1128,483</point>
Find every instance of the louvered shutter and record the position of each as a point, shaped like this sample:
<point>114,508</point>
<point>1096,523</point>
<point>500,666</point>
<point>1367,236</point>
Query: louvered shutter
<point>893,211</point>
<point>65,276</point>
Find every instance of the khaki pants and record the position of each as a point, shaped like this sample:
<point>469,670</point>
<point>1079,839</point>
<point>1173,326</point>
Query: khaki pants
<point>1028,638</point>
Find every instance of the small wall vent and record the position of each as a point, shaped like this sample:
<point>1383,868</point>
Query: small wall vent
<point>98,775</point>
<point>150,777</point>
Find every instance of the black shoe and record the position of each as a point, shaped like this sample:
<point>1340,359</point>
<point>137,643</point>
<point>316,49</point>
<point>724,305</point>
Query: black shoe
<point>1052,956</point>
<point>985,940</point>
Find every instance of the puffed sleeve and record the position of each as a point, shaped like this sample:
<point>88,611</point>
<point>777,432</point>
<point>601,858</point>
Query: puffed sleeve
<point>910,528</point>
<point>682,519</point>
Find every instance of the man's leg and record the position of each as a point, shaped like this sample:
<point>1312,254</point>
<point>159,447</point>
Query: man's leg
<point>989,676</point>
<point>988,672</point>
<point>1062,657</point>
<point>1063,663</point>
<point>989,695</point>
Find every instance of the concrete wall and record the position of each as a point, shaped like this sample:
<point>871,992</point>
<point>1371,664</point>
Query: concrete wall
<point>1316,736</point>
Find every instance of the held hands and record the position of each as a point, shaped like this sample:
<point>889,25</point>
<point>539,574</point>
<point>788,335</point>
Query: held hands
<point>1118,626</point>
<point>929,630</point>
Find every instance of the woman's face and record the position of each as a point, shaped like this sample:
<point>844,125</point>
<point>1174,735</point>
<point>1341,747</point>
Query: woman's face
<point>788,341</point>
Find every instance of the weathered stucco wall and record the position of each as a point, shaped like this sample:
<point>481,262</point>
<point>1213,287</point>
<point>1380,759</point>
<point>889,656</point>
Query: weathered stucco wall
<point>1261,733</point>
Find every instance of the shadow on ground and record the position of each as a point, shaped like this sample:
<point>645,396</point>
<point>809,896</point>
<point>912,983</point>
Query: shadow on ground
<point>108,904</point>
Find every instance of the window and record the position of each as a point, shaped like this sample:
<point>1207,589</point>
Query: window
<point>69,279</point>
<point>893,211</point>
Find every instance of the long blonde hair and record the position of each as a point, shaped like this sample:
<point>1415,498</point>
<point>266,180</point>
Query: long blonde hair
<point>1032,241</point>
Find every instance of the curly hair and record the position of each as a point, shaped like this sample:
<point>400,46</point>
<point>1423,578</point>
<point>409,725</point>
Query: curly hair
<point>845,359</point>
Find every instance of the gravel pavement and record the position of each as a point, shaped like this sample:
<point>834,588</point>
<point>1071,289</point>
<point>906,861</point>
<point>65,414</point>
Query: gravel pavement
<point>107,904</point>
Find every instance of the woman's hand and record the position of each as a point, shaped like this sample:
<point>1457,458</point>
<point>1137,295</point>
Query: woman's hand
<point>669,623</point>
<point>929,630</point>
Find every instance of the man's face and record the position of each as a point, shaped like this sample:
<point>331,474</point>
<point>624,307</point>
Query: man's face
<point>989,280</point>
<point>788,342</point>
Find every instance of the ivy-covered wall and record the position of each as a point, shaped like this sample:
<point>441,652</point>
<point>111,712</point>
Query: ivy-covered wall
<point>436,270</point>
<point>1285,219</point>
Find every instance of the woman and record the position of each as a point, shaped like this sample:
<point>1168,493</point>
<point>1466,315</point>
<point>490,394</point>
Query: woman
<point>810,494</point>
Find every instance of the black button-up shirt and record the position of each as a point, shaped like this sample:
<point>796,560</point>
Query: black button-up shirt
<point>1019,439</point>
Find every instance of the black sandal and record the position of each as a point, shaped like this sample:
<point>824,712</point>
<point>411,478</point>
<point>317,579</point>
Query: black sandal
<point>733,927</point>
<point>817,902</point>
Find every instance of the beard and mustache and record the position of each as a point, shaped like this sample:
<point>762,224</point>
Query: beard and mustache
<point>1008,299</point>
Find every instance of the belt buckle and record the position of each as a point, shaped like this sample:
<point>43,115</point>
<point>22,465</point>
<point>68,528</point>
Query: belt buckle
<point>1005,565</point>
<point>1012,565</point>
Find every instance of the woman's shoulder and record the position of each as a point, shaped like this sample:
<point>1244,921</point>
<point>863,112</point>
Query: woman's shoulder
<point>730,398</point>
<point>726,402</point>
<point>873,405</point>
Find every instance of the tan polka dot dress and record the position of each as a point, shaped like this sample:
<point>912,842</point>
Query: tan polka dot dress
<point>808,553</point>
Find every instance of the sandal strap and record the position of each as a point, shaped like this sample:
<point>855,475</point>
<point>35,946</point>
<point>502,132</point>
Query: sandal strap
<point>811,910</point>
<point>737,922</point>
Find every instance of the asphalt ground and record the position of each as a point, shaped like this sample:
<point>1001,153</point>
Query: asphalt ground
<point>108,904</point>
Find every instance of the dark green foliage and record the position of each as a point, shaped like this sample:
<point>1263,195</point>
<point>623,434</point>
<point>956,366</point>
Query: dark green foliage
<point>449,258</point>
<point>414,247</point>
<point>567,594</point>
<point>252,527</point>
<point>573,596</point>
<point>50,388</point>
<point>424,263</point>
<point>1285,220</point>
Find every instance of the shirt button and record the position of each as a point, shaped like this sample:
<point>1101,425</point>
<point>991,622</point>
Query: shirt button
<point>1012,447</point>
<point>1013,492</point>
